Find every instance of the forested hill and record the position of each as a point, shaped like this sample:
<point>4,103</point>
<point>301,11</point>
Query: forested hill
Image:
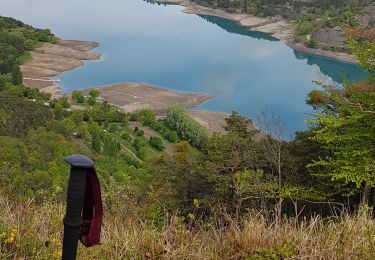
<point>16,39</point>
<point>290,9</point>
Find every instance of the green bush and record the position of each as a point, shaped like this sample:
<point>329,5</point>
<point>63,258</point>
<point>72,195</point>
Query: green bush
<point>171,136</point>
<point>157,143</point>
<point>125,136</point>
<point>139,142</point>
<point>142,153</point>
<point>140,133</point>
<point>113,127</point>
<point>94,92</point>
<point>91,101</point>
<point>313,44</point>
<point>77,95</point>
<point>304,28</point>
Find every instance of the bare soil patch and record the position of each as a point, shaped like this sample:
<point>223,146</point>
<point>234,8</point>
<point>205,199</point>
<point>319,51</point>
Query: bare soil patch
<point>213,121</point>
<point>131,97</point>
<point>53,59</point>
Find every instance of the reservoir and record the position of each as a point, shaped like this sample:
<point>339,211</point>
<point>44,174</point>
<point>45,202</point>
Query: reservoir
<point>247,72</point>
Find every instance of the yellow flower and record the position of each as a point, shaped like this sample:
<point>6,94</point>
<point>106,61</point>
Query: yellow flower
<point>10,239</point>
<point>57,254</point>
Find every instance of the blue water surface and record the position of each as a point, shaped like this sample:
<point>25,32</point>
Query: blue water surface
<point>247,72</point>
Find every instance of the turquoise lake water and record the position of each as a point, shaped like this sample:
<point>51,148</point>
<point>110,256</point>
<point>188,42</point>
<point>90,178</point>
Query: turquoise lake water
<point>247,72</point>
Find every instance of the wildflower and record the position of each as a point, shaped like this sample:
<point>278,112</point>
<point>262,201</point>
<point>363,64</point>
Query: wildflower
<point>12,236</point>
<point>10,239</point>
<point>57,254</point>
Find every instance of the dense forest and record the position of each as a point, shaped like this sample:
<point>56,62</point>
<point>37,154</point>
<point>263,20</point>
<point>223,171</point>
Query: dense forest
<point>172,190</point>
<point>292,9</point>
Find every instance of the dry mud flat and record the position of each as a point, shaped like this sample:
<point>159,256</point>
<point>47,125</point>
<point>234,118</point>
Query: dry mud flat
<point>131,97</point>
<point>213,121</point>
<point>135,96</point>
<point>51,60</point>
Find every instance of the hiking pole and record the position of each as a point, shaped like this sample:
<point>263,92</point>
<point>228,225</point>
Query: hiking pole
<point>84,206</point>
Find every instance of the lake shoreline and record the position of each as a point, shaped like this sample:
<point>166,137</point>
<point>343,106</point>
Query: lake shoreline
<point>277,28</point>
<point>51,60</point>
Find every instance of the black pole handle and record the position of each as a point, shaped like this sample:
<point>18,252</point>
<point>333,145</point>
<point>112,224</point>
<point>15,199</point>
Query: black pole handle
<point>80,165</point>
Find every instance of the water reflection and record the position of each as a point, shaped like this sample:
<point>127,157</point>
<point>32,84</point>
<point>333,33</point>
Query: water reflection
<point>234,27</point>
<point>336,70</point>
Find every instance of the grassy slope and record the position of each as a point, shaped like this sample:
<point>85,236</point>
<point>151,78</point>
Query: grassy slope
<point>126,237</point>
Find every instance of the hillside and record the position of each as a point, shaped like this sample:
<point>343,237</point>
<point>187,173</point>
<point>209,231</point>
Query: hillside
<point>174,190</point>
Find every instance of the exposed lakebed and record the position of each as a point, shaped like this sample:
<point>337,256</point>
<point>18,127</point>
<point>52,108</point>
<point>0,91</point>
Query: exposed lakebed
<point>156,44</point>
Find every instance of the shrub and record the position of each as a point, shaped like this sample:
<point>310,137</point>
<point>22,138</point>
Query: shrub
<point>94,93</point>
<point>304,28</point>
<point>125,136</point>
<point>77,95</point>
<point>139,143</point>
<point>171,136</point>
<point>142,153</point>
<point>140,133</point>
<point>313,44</point>
<point>157,143</point>
<point>113,127</point>
<point>91,101</point>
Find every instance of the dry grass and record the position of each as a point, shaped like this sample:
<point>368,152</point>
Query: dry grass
<point>39,230</point>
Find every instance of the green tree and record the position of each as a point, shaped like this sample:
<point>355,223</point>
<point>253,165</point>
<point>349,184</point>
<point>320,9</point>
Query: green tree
<point>96,141</point>
<point>228,155</point>
<point>364,49</point>
<point>3,81</point>
<point>4,117</point>
<point>111,146</point>
<point>77,95</point>
<point>16,75</point>
<point>345,126</point>
<point>189,129</point>
<point>240,125</point>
